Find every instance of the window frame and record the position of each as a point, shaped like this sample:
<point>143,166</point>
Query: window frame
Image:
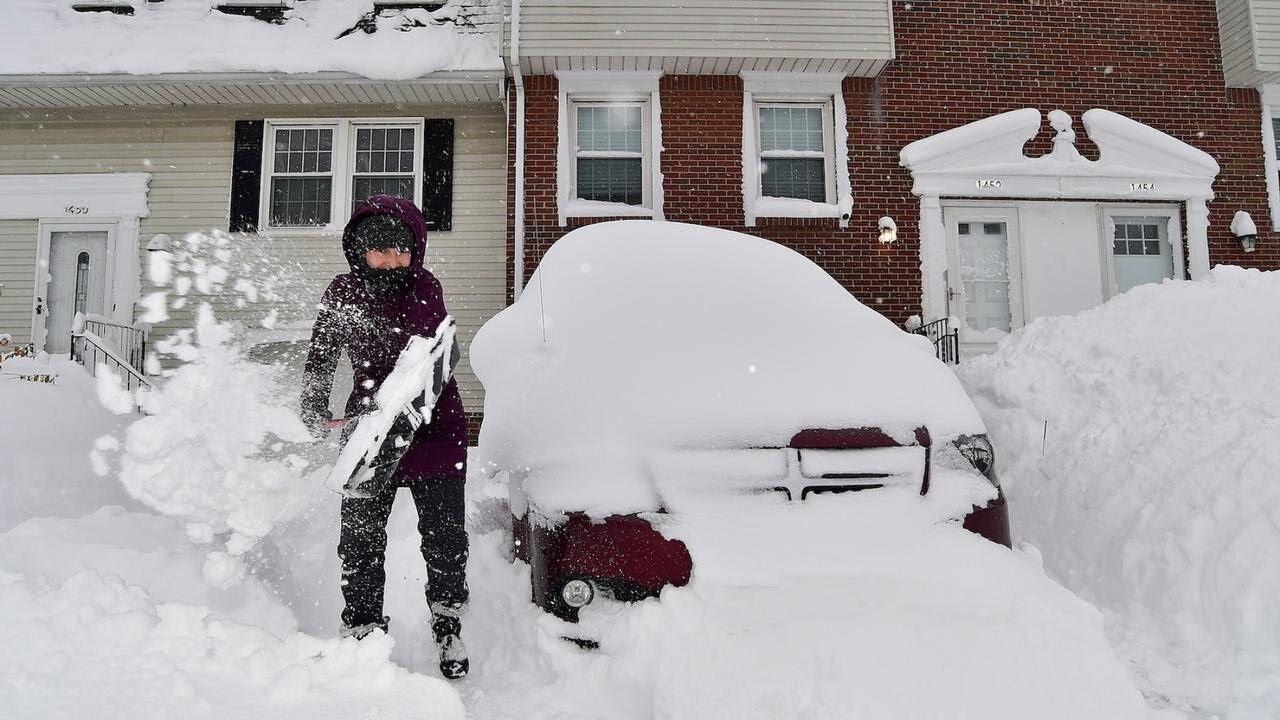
<point>1270,101</point>
<point>605,86</point>
<point>342,166</point>
<point>828,144</point>
<point>578,100</point>
<point>825,89</point>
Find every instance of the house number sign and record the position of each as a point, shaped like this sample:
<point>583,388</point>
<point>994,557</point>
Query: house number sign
<point>988,184</point>
<point>1139,186</point>
<point>76,210</point>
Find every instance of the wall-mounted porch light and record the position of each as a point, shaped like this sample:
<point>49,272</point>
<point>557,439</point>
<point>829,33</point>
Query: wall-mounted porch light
<point>888,230</point>
<point>1243,227</point>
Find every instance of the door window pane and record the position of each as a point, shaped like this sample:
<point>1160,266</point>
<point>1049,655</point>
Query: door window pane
<point>984,272</point>
<point>1142,253</point>
<point>82,282</point>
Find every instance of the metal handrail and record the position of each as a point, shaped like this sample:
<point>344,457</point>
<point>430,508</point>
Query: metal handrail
<point>946,341</point>
<point>91,351</point>
<point>121,351</point>
<point>129,342</point>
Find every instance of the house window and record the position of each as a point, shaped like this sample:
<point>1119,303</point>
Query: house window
<point>795,155</point>
<point>318,171</point>
<point>609,135</point>
<point>302,177</point>
<point>609,156</point>
<point>384,163</point>
<point>795,151</point>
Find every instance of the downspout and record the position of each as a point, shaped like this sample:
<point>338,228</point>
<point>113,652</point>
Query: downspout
<point>518,260</point>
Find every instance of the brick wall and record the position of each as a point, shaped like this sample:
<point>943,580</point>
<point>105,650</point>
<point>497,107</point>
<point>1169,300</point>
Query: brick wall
<point>1156,62</point>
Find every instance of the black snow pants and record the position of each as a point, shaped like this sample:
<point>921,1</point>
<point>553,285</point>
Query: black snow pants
<point>363,544</point>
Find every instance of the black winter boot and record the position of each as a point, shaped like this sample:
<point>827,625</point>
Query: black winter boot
<point>453,654</point>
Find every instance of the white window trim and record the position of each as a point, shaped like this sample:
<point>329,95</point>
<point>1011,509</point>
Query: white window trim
<point>342,167</point>
<point>1271,99</point>
<point>761,88</point>
<point>630,87</point>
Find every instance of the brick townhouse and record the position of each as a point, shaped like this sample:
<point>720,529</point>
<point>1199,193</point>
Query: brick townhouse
<point>963,122</point>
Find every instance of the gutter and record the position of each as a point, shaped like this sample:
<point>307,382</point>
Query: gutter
<point>518,259</point>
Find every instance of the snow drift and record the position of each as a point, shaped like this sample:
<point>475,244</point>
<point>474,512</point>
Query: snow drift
<point>1139,444</point>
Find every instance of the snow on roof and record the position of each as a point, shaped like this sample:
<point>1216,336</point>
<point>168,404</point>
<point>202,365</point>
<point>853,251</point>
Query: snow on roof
<point>49,37</point>
<point>646,335</point>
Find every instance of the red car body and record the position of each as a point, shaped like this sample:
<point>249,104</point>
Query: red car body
<point>625,558</point>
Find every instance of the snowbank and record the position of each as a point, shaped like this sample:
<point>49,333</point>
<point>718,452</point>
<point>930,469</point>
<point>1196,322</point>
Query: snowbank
<point>187,36</point>
<point>40,476</point>
<point>641,335</point>
<point>1139,444</point>
<point>107,617</point>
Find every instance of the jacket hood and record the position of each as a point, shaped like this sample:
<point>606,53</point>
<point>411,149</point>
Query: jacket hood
<point>400,208</point>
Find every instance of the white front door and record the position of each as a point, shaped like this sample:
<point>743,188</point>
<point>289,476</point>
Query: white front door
<point>1140,250</point>
<point>77,282</point>
<point>984,281</point>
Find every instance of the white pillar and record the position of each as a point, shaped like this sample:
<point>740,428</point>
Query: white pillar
<point>933,259</point>
<point>1198,237</point>
<point>126,285</point>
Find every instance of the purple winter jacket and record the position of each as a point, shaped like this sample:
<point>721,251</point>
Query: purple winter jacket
<point>373,331</point>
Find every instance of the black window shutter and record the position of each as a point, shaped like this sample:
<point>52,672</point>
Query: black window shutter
<point>246,176</point>
<point>437,173</point>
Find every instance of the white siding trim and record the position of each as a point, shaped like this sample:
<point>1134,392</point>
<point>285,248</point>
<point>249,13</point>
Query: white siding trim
<point>73,196</point>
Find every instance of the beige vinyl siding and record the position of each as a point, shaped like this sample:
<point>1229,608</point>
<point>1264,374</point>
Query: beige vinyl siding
<point>189,152</point>
<point>795,35</point>
<point>1236,38</point>
<point>18,242</point>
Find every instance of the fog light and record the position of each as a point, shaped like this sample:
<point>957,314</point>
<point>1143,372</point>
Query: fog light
<point>577,593</point>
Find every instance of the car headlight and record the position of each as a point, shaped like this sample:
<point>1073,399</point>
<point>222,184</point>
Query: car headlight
<point>981,455</point>
<point>577,593</point>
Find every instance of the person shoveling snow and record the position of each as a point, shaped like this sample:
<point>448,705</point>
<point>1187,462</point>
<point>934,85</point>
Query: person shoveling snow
<point>372,313</point>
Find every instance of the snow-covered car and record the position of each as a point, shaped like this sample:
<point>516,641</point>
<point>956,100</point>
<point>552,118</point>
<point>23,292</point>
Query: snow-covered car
<point>654,368</point>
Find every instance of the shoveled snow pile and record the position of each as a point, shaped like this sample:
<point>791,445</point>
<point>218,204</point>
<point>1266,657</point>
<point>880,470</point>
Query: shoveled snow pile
<point>212,448</point>
<point>189,36</point>
<point>1139,444</point>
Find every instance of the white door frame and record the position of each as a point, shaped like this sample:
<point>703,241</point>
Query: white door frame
<point>1107,212</point>
<point>91,200</point>
<point>44,274</point>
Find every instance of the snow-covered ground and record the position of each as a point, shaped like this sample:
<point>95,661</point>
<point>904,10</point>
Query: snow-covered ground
<point>1152,495</point>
